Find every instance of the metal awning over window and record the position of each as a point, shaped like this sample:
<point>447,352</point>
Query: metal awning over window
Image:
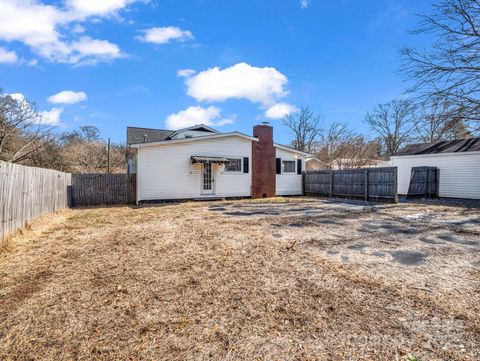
<point>207,159</point>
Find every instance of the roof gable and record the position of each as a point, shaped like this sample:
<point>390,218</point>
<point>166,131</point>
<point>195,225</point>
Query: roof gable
<point>137,135</point>
<point>195,131</point>
<point>198,138</point>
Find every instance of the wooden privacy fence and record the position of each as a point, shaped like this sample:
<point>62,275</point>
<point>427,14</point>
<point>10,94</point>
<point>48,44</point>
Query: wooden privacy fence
<point>97,189</point>
<point>29,192</point>
<point>374,184</point>
<point>424,182</point>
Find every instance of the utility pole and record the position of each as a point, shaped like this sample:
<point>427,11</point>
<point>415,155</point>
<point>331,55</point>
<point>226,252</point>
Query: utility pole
<point>108,156</point>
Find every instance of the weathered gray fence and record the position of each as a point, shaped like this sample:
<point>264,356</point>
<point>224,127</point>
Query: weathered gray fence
<point>374,184</point>
<point>424,182</point>
<point>98,189</point>
<point>29,192</point>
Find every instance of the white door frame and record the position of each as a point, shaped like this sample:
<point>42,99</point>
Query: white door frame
<point>207,180</point>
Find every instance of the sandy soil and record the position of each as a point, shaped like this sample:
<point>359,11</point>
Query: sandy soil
<point>288,279</point>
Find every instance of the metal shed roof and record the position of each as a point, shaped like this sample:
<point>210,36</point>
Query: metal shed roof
<point>452,146</point>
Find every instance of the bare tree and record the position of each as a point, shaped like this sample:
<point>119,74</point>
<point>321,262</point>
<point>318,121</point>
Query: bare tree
<point>394,122</point>
<point>439,120</point>
<point>22,130</point>
<point>332,141</point>
<point>306,128</point>
<point>83,151</point>
<point>450,69</point>
<point>341,148</point>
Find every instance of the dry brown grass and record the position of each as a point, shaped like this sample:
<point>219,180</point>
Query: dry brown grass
<point>188,282</point>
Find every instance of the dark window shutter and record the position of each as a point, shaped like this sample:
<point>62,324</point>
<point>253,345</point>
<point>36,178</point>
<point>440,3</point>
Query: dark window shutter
<point>279,166</point>
<point>245,165</point>
<point>299,166</point>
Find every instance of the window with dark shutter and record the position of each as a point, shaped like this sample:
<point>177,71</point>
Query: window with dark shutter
<point>299,166</point>
<point>233,165</point>
<point>245,165</point>
<point>279,166</point>
<point>288,166</point>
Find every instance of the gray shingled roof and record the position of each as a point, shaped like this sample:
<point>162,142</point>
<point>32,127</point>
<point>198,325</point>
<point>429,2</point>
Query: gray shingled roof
<point>453,146</point>
<point>137,135</point>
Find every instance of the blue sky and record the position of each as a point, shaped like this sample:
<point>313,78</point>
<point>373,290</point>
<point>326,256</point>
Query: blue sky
<point>231,64</point>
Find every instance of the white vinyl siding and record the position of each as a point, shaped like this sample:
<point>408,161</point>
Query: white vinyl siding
<point>459,172</point>
<point>165,171</point>
<point>289,184</point>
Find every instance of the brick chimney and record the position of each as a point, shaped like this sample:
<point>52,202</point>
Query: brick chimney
<point>263,162</point>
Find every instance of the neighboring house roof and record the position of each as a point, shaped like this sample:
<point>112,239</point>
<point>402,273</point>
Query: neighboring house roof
<point>137,135</point>
<point>314,159</point>
<point>453,146</point>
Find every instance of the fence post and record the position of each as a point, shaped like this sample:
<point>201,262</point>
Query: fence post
<point>331,184</point>
<point>303,183</point>
<point>366,185</point>
<point>428,183</point>
<point>395,172</point>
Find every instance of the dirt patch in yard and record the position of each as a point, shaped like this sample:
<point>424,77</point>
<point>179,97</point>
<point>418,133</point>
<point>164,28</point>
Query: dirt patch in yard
<point>290,279</point>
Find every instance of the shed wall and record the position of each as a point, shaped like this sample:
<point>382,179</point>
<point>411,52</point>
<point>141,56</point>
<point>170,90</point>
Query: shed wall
<point>459,172</point>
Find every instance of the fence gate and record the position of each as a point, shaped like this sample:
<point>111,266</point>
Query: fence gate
<point>97,189</point>
<point>424,182</point>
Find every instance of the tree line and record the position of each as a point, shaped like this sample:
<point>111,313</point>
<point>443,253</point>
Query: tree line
<point>26,138</point>
<point>442,103</point>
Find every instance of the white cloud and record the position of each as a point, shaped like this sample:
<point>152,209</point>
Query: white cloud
<point>32,62</point>
<point>258,85</point>
<point>50,117</point>
<point>67,97</point>
<point>19,97</point>
<point>84,8</point>
<point>194,115</point>
<point>279,110</point>
<point>304,4</point>
<point>45,28</point>
<point>224,121</point>
<point>185,73</point>
<point>90,51</point>
<point>7,57</point>
<point>79,29</point>
<point>164,35</point>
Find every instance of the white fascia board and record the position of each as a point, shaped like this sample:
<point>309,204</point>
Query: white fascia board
<point>193,139</point>
<point>292,150</point>
<point>433,155</point>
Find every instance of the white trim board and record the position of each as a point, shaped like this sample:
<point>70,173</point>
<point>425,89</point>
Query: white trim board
<point>203,137</point>
<point>434,155</point>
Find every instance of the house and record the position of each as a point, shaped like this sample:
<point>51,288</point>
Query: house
<point>344,163</point>
<point>458,162</point>
<point>201,162</point>
<point>314,163</point>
